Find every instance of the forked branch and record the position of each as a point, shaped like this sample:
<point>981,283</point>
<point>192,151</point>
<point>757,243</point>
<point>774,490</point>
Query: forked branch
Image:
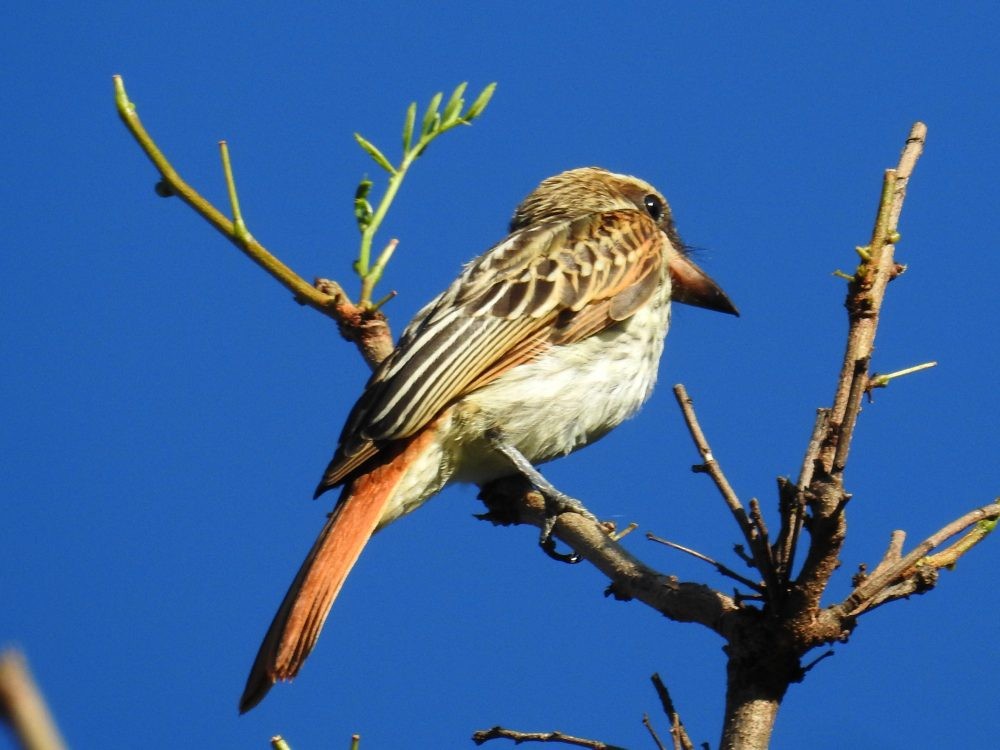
<point>360,322</point>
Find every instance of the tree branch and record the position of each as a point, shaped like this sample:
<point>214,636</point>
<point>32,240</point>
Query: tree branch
<point>677,731</point>
<point>719,567</point>
<point>897,577</point>
<point>824,492</point>
<point>500,733</point>
<point>23,707</point>
<point>513,501</point>
<point>864,303</point>
<point>367,328</point>
<point>752,532</point>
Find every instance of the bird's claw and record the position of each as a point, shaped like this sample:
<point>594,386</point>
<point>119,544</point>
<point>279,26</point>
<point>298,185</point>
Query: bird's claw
<point>549,548</point>
<point>557,503</point>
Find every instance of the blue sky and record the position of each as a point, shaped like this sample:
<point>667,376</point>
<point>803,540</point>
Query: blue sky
<point>168,409</point>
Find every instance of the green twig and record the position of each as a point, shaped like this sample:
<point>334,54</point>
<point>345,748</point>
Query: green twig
<point>881,381</point>
<point>434,123</point>
<point>175,185</point>
<point>239,227</point>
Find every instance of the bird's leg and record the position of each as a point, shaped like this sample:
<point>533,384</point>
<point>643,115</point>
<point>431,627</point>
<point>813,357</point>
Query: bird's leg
<point>556,502</point>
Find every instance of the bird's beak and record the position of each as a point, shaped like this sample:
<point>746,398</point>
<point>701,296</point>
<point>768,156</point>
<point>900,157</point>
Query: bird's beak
<point>692,286</point>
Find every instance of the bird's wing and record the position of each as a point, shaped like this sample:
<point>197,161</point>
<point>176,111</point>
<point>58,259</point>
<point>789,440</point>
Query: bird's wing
<point>542,286</point>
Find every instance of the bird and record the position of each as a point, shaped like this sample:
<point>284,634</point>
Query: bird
<point>541,345</point>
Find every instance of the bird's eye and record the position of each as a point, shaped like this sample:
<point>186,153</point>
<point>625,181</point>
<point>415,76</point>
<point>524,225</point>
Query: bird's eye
<point>654,206</point>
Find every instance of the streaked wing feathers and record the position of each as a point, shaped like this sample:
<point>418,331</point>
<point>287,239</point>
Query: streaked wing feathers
<point>545,285</point>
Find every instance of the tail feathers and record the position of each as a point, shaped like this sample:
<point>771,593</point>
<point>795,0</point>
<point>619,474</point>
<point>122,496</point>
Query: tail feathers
<point>298,622</point>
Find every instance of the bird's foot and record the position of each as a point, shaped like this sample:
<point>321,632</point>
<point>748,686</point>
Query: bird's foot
<point>556,502</point>
<point>555,505</point>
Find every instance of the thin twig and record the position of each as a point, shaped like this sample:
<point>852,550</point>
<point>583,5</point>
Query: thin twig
<point>652,733</point>
<point>983,518</point>
<point>893,554</point>
<point>811,665</point>
<point>711,466</point>
<point>820,427</point>
<point>677,731</point>
<point>500,733</point>
<point>617,535</point>
<point>865,295</point>
<point>761,555</point>
<point>726,571</point>
<point>239,226</point>
<point>882,380</point>
<point>760,526</point>
<point>253,249</point>
<point>792,505</point>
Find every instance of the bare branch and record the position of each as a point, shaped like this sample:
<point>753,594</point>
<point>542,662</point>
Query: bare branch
<point>893,553</point>
<point>652,733</point>
<point>761,553</point>
<point>791,502</point>
<point>23,707</point>
<point>912,569</point>
<point>711,466</point>
<point>680,736</point>
<point>728,572</point>
<point>824,493</point>
<point>500,733</point>
<point>865,294</point>
<point>512,501</point>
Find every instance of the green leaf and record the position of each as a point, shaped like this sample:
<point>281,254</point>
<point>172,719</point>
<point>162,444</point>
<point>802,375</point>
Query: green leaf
<point>362,208</point>
<point>375,154</point>
<point>479,105</point>
<point>411,117</point>
<point>454,106</point>
<point>431,116</point>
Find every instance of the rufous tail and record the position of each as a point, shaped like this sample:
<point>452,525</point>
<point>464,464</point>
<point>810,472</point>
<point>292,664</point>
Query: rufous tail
<point>298,622</point>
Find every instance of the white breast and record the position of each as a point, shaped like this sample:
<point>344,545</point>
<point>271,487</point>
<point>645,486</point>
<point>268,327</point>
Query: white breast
<point>568,397</point>
<point>572,395</point>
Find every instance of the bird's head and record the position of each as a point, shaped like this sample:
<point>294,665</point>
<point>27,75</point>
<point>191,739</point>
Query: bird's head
<point>590,190</point>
